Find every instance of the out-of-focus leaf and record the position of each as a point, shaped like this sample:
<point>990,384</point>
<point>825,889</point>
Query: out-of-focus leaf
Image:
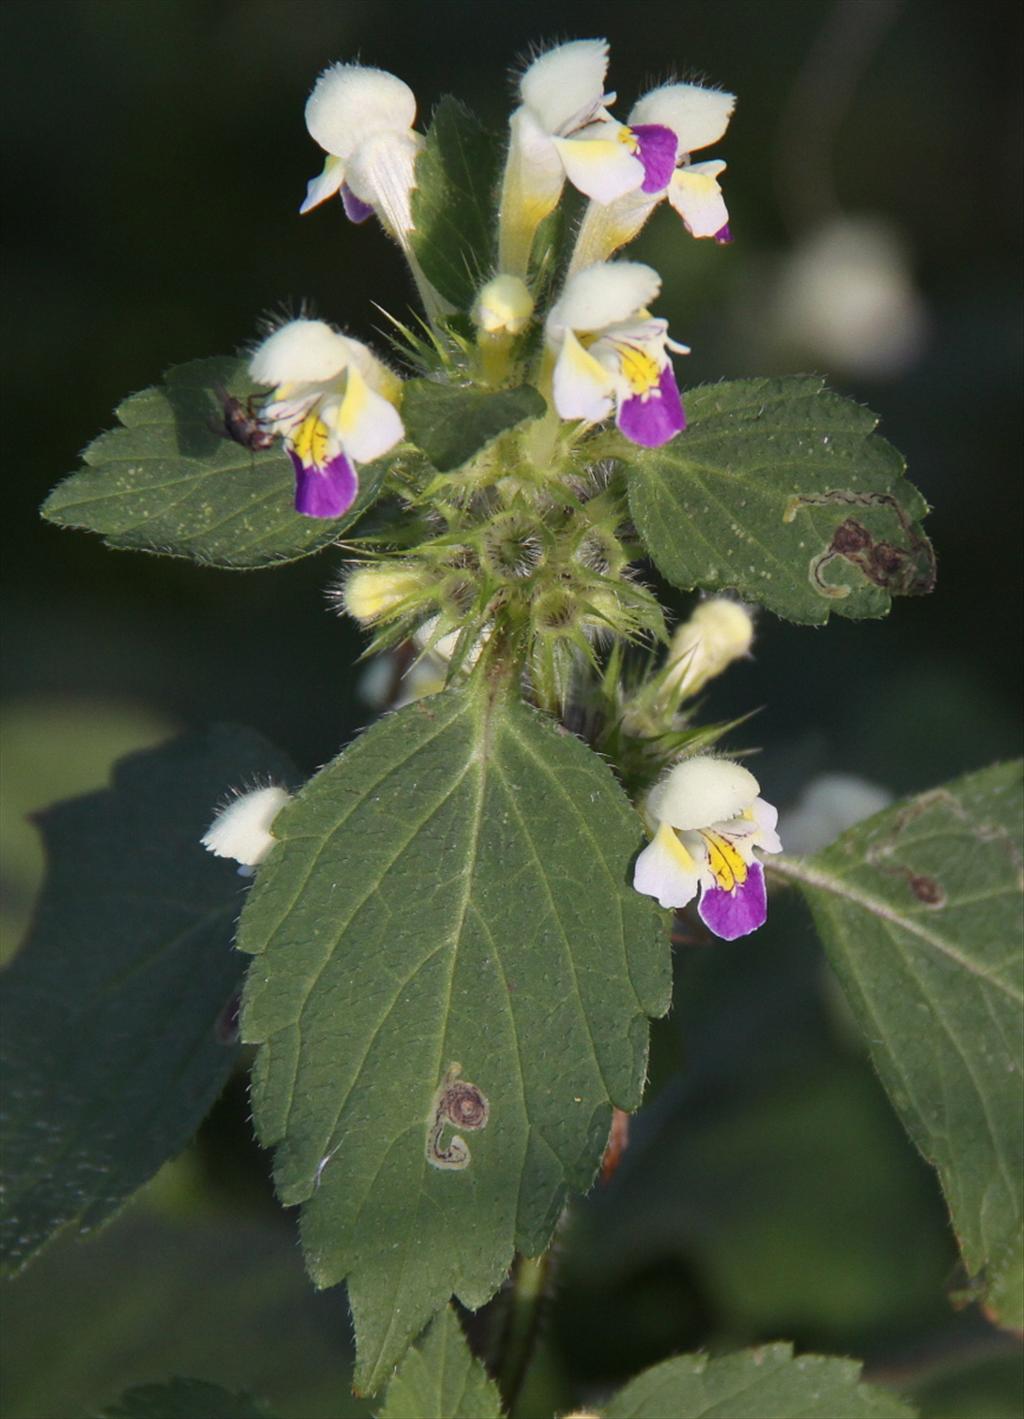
<point>167,481</point>
<point>920,912</point>
<point>781,490</point>
<point>450,424</point>
<point>767,1183</point>
<point>439,1377</point>
<point>114,1043</point>
<point>450,894</point>
<point>453,203</point>
<point>766,1383</point>
<point>56,747</point>
<point>206,1291</point>
<point>972,1386</point>
<point>185,1399</point>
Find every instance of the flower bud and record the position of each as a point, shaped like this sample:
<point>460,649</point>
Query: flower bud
<point>374,593</point>
<point>718,632</point>
<point>504,306</point>
<point>241,830</point>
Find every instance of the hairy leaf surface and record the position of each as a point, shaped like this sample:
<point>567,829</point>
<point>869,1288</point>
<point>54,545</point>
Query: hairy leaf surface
<point>167,481</point>
<point>767,1383</point>
<point>440,1377</point>
<point>186,1399</point>
<point>453,203</point>
<point>920,912</point>
<point>782,491</point>
<point>451,425</point>
<point>115,1042</point>
<point>449,904</point>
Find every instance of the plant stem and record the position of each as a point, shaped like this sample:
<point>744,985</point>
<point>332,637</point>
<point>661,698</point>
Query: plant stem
<point>522,1323</point>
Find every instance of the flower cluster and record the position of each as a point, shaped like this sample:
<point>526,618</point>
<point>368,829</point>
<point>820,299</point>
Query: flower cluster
<point>336,405</point>
<point>527,542</point>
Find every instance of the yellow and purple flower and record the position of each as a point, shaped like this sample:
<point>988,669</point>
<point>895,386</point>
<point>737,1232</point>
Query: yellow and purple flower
<point>708,821</point>
<point>610,352</point>
<point>696,117</point>
<point>332,401</point>
<point>363,119</point>
<point>562,129</point>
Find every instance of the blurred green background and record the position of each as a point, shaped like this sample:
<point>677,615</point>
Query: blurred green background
<point>155,156</point>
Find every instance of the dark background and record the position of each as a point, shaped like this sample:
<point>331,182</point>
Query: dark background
<point>155,156</point>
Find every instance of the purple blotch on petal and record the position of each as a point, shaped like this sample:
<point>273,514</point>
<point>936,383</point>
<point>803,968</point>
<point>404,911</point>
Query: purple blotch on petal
<point>356,210</point>
<point>724,235</point>
<point>326,492</point>
<point>736,913</point>
<point>653,420</point>
<point>656,149</point>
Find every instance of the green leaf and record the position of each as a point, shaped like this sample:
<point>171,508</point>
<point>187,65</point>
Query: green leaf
<point>782,491</point>
<point>440,1378</point>
<point>1004,1284</point>
<point>114,1044</point>
<point>453,890</point>
<point>920,912</point>
<point>450,425</point>
<point>185,1399</point>
<point>168,482</point>
<point>766,1383</point>
<point>453,203</point>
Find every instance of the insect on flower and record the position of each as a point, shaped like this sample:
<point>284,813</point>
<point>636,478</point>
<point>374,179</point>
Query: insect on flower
<point>240,422</point>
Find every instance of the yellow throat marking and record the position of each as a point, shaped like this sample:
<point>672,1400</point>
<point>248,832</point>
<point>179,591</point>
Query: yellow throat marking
<point>725,861</point>
<point>310,441</point>
<point>640,368</point>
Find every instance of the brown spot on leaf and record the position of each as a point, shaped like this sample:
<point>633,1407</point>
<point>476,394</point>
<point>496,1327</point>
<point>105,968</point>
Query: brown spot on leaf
<point>926,889</point>
<point>457,1104</point>
<point>903,568</point>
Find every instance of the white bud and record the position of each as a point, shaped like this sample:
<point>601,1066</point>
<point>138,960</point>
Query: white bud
<point>718,632</point>
<point>372,593</point>
<point>504,306</point>
<point>242,829</point>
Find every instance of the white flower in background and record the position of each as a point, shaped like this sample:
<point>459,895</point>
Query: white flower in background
<point>828,806</point>
<point>846,297</point>
<point>708,820</point>
<point>696,117</point>
<point>363,119</point>
<point>241,830</point>
<point>610,353</point>
<point>718,632</point>
<point>332,403</point>
<point>563,129</point>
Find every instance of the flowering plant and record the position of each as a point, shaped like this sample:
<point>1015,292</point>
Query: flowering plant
<point>462,924</point>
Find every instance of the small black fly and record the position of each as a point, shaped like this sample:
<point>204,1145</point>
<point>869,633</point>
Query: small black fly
<point>240,423</point>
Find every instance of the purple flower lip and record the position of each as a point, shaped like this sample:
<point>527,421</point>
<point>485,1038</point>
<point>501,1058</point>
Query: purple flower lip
<point>656,149</point>
<point>356,210</point>
<point>739,912</point>
<point>724,235</point>
<point>652,420</point>
<point>324,492</point>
